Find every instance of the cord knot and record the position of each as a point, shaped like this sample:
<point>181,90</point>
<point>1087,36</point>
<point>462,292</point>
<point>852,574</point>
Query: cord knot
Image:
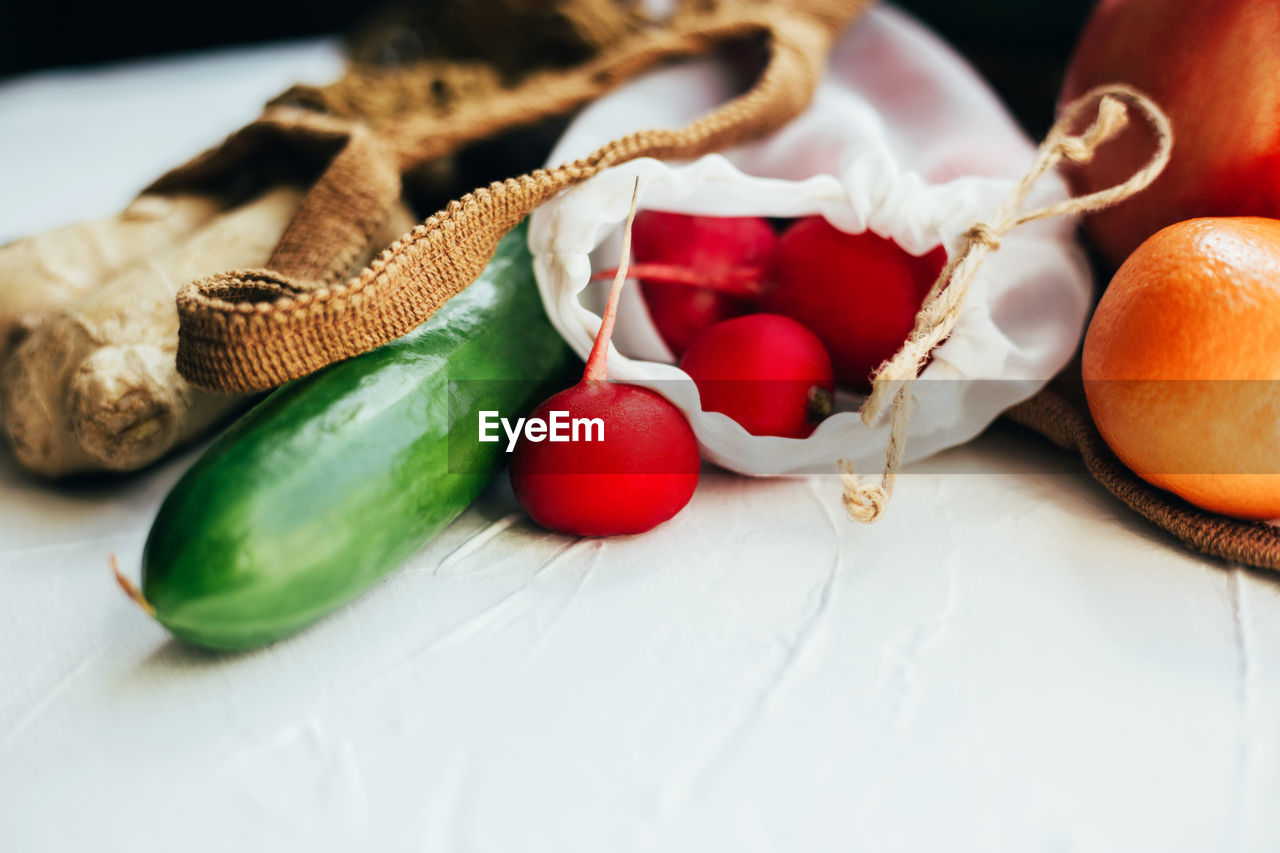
<point>984,234</point>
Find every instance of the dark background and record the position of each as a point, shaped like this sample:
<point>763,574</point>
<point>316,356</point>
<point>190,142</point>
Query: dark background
<point>1020,46</point>
<point>42,34</point>
<point>36,34</point>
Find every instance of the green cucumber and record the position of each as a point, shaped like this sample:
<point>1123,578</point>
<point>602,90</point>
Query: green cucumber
<point>336,478</point>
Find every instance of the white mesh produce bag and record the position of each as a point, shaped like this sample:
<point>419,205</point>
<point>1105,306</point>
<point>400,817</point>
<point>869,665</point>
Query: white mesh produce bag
<point>904,139</point>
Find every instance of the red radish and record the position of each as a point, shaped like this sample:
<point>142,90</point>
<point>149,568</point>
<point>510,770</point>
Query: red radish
<point>679,312</point>
<point>766,371</point>
<point>698,270</point>
<point>642,471</point>
<point>859,293</point>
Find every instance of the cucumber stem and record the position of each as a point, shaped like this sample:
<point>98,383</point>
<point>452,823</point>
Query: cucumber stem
<point>130,589</point>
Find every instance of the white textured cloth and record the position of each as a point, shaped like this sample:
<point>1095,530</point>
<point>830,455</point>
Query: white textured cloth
<point>904,139</point>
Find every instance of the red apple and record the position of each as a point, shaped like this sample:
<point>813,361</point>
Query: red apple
<point>1215,69</point>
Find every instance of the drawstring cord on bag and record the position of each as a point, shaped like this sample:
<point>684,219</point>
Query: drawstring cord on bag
<point>891,385</point>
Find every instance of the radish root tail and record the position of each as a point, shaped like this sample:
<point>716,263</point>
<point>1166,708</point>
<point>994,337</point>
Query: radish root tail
<point>597,369</point>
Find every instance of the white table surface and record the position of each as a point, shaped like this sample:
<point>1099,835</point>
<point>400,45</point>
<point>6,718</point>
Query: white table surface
<point>1009,661</point>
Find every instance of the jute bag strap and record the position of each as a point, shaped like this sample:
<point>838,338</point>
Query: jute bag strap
<point>1065,421</point>
<point>251,330</point>
<point>353,174</point>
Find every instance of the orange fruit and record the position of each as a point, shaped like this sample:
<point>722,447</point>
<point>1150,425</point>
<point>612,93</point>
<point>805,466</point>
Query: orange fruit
<point>1182,364</point>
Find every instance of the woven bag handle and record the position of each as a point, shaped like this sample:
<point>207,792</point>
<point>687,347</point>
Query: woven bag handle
<point>252,330</point>
<point>354,184</point>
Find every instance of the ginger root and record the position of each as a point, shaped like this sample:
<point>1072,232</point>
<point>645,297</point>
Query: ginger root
<point>46,272</point>
<point>95,386</point>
